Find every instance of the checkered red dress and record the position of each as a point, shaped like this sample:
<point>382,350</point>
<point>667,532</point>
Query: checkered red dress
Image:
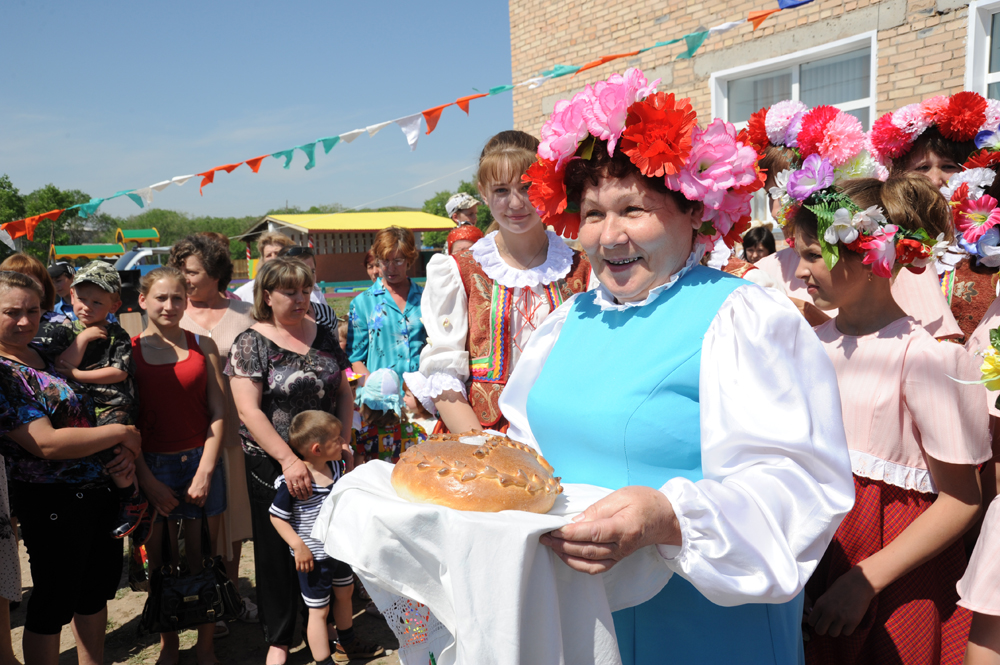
<point>915,619</point>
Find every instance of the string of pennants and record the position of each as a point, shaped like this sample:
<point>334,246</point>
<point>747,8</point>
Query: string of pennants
<point>409,124</point>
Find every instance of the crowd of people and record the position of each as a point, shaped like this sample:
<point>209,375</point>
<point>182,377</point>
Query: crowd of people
<point>809,447</point>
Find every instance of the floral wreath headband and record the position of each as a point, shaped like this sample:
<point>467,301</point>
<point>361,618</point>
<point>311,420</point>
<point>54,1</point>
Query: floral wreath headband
<point>975,214</point>
<point>840,220</point>
<point>659,134</point>
<point>960,117</point>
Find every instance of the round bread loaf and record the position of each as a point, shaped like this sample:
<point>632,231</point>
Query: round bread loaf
<point>476,471</point>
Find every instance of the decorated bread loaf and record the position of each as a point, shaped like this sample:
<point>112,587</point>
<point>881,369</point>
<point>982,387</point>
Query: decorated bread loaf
<point>476,471</point>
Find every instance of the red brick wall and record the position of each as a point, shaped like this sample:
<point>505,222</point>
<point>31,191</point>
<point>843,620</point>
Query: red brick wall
<point>920,51</point>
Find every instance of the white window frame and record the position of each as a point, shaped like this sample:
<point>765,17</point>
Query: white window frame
<point>977,49</point>
<point>719,80</point>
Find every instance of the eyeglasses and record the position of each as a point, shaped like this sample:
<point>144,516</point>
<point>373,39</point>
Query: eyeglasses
<point>297,250</point>
<point>399,263</point>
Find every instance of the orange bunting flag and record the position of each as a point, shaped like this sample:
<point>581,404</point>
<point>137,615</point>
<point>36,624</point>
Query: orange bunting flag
<point>463,102</point>
<point>27,226</point>
<point>254,163</point>
<point>208,177</point>
<point>758,17</point>
<point>431,116</point>
<point>607,58</point>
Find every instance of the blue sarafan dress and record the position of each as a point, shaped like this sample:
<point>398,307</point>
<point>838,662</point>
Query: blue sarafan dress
<point>718,394</point>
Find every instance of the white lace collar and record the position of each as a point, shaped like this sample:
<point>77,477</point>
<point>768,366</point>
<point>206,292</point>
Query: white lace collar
<point>558,262</point>
<point>606,301</point>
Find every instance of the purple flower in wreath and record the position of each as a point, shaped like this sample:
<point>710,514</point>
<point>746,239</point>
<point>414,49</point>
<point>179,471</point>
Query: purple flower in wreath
<point>816,174</point>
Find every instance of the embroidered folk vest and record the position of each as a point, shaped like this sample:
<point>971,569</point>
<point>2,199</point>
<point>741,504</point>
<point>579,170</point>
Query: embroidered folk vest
<point>489,339</point>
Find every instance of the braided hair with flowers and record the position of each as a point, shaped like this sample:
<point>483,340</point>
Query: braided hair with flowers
<point>660,136</point>
<point>832,156</point>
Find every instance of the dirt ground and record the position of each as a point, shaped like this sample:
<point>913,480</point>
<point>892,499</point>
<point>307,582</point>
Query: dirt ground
<point>244,644</point>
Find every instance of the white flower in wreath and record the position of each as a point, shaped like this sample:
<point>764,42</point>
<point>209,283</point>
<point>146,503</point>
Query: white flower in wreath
<point>869,221</point>
<point>939,249</point>
<point>842,229</point>
<point>779,192</point>
<point>978,179</point>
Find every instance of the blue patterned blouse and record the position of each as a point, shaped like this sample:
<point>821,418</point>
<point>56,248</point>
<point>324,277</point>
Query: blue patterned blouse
<point>380,335</point>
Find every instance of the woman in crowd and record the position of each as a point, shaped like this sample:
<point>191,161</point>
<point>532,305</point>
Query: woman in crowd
<point>182,410</point>
<point>321,312</point>
<point>33,268</point>
<point>780,133</point>
<point>207,269</point>
<point>371,266</point>
<point>885,590</point>
<point>934,138</point>
<point>758,243</point>
<point>223,241</point>
<point>386,329</point>
<point>63,496</point>
<point>482,306</point>
<point>268,246</point>
<point>740,498</point>
<point>283,365</point>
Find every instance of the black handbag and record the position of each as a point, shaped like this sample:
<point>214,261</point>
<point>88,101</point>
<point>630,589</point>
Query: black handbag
<point>177,602</point>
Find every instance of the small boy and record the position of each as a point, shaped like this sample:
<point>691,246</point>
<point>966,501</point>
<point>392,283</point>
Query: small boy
<point>315,437</point>
<point>97,354</point>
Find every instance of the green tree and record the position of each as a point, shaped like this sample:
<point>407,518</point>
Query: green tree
<point>436,206</point>
<point>11,201</point>
<point>173,225</point>
<point>69,228</point>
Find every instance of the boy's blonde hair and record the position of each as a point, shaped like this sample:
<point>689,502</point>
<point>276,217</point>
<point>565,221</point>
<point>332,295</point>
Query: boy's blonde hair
<point>311,427</point>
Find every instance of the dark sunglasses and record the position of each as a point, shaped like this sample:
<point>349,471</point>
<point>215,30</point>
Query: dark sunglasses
<point>297,250</point>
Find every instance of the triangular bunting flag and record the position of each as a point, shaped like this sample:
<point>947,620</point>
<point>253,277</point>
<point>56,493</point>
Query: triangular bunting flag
<point>351,135</point>
<point>463,102</point>
<point>16,228</point>
<point>559,70</point>
<point>6,239</point>
<point>431,116</point>
<point>181,179</point>
<point>310,150</point>
<point>500,88</point>
<point>375,129</point>
<point>328,143</point>
<point>788,4</point>
<point>726,26</point>
<point>411,129</point>
<point>228,168</point>
<point>90,207</point>
<point>694,42</point>
<point>145,194</point>
<point>604,59</point>
<point>285,155</point>
<point>160,186</point>
<point>254,163</point>
<point>758,17</point>
<point>207,178</point>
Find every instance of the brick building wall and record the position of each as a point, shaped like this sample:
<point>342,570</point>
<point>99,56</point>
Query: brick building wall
<point>921,45</point>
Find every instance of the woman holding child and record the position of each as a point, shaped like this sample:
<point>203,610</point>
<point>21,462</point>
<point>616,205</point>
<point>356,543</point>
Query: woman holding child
<point>740,498</point>
<point>62,494</point>
<point>283,365</point>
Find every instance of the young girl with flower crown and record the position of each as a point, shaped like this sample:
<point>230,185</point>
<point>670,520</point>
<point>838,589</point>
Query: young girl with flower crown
<point>782,134</point>
<point>935,139</point>
<point>885,589</point>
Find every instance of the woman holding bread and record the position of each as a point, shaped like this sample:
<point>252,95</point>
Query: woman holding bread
<point>743,485</point>
<point>481,306</point>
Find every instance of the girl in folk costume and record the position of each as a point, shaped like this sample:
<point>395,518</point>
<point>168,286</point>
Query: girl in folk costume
<point>481,306</point>
<point>934,138</point>
<point>885,589</point>
<point>786,133</point>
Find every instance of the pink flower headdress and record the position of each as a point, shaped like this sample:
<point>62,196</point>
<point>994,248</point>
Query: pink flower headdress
<point>960,117</point>
<point>660,135</point>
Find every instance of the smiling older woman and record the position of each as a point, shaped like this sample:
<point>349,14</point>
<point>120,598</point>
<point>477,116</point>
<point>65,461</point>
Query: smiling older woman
<point>721,432</point>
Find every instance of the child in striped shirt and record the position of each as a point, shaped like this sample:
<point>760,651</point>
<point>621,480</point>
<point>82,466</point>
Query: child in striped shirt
<point>315,437</point>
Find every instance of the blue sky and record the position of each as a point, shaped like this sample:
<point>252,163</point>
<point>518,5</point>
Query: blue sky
<point>104,96</point>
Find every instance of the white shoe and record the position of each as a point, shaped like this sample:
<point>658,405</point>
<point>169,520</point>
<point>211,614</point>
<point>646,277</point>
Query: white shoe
<point>248,612</point>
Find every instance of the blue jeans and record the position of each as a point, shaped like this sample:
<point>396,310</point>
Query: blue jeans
<point>176,471</point>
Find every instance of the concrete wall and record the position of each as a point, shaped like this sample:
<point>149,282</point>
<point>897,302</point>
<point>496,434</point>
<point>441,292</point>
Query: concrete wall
<point>920,47</point>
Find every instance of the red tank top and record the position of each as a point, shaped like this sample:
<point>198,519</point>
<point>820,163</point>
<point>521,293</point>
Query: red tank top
<point>173,400</point>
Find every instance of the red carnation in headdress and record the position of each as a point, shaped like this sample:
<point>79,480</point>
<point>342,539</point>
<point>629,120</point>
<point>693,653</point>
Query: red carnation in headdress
<point>889,141</point>
<point>965,115</point>
<point>757,131</point>
<point>741,226</point>
<point>984,159</point>
<point>813,128</point>
<point>548,194</point>
<point>657,136</point>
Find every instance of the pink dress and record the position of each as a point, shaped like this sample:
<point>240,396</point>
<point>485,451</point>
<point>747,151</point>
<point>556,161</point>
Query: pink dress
<point>920,296</point>
<point>979,342</point>
<point>899,408</point>
<point>980,586</point>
